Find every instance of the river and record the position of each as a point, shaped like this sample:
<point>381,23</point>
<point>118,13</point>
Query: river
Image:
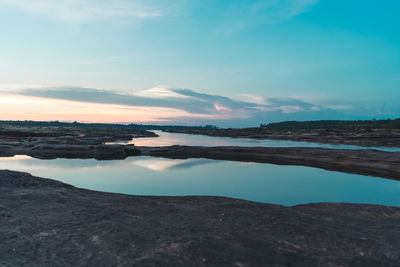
<point>168,139</point>
<point>286,185</point>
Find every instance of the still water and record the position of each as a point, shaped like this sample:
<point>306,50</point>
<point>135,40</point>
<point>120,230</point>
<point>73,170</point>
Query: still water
<point>168,139</point>
<point>287,185</point>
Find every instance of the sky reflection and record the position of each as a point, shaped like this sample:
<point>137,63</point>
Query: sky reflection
<point>287,185</point>
<point>168,139</point>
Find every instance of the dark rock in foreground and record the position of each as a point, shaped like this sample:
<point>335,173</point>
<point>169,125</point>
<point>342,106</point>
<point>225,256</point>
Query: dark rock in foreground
<point>44,222</point>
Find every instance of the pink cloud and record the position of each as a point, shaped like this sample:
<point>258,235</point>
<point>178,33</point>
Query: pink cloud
<point>17,107</point>
<point>221,108</point>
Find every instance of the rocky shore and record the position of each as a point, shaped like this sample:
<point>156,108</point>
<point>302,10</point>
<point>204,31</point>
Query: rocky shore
<point>50,151</point>
<point>48,223</point>
<point>346,137</point>
<point>85,144</point>
<point>32,136</point>
<point>366,162</point>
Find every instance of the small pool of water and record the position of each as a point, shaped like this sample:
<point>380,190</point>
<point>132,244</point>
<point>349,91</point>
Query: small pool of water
<point>286,185</point>
<point>168,139</point>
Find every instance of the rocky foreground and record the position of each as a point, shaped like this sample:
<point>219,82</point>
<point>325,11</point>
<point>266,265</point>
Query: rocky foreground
<point>48,223</point>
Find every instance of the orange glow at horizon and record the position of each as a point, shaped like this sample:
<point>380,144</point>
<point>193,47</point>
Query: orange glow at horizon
<point>17,107</point>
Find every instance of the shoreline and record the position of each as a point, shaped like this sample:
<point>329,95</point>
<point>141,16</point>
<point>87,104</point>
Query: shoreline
<point>363,139</point>
<point>47,222</point>
<point>364,162</point>
<point>89,144</point>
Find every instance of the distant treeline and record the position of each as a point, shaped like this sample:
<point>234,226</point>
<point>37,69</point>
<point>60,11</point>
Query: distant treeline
<point>334,125</point>
<point>97,125</point>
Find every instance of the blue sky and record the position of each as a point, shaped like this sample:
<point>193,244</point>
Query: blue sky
<point>338,55</point>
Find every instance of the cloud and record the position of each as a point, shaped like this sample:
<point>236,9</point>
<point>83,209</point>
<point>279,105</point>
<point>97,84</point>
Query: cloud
<point>253,99</point>
<point>241,14</point>
<point>22,107</point>
<point>297,7</point>
<point>160,93</point>
<point>184,106</point>
<point>160,97</point>
<point>234,14</point>
<point>221,108</point>
<point>83,11</point>
<point>15,86</point>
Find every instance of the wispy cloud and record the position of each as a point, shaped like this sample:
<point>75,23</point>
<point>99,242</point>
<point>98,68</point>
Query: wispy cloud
<point>81,11</point>
<point>160,93</point>
<point>241,14</point>
<point>235,14</point>
<point>253,99</point>
<point>183,106</point>
<point>19,107</point>
<point>174,106</point>
<point>5,87</point>
<point>297,7</point>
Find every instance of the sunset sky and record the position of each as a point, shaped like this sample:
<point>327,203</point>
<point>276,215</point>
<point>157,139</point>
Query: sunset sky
<point>223,62</point>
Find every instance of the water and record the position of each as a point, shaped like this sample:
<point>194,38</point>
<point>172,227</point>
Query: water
<point>168,139</point>
<point>287,185</point>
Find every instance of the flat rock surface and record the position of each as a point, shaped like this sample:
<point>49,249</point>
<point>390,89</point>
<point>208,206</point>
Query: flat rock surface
<point>48,223</point>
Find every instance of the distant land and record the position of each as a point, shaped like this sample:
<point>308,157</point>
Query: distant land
<point>368,133</point>
<point>29,123</point>
<point>335,124</point>
<point>393,124</point>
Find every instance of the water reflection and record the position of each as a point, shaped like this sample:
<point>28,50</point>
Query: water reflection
<point>167,164</point>
<point>168,139</point>
<point>287,185</point>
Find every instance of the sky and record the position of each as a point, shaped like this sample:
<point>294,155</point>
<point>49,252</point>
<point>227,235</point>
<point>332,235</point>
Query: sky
<point>222,62</point>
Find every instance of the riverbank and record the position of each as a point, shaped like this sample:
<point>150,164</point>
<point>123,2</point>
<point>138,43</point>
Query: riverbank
<point>45,222</point>
<point>383,138</point>
<point>33,136</point>
<point>89,143</point>
<point>366,162</point>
